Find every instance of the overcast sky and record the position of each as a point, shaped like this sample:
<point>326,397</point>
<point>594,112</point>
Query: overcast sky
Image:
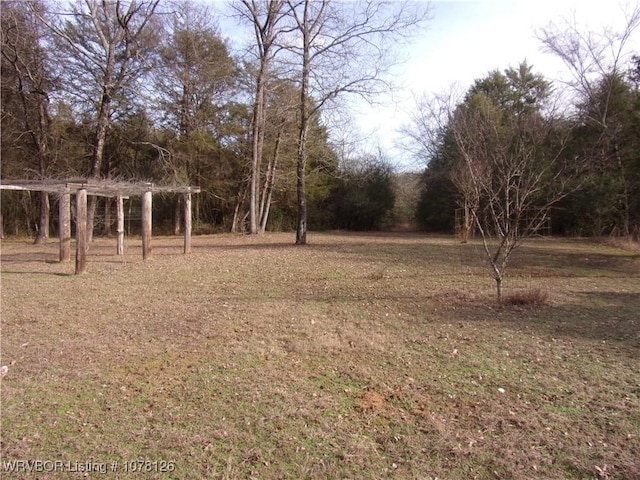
<point>467,39</point>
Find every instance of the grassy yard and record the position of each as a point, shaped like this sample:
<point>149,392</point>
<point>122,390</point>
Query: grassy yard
<point>357,356</point>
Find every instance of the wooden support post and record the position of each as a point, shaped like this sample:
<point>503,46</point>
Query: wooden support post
<point>64,226</point>
<point>120,225</point>
<point>146,225</point>
<point>187,222</point>
<point>81,231</point>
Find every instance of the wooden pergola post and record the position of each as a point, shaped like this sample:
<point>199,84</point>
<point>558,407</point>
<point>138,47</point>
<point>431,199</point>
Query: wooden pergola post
<point>81,231</point>
<point>82,188</point>
<point>146,224</point>
<point>120,225</point>
<point>187,222</point>
<point>64,226</point>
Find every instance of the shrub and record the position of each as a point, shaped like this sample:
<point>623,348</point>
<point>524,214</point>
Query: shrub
<point>530,297</point>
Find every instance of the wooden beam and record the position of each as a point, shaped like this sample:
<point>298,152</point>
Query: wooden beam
<point>146,224</point>
<point>103,188</point>
<point>64,226</point>
<point>187,223</point>
<point>81,231</point>
<point>120,225</point>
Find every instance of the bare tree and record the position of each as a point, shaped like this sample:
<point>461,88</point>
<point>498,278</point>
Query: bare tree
<point>266,17</point>
<point>24,51</point>
<point>595,61</point>
<point>342,48</point>
<point>279,130</point>
<point>590,56</point>
<point>107,47</point>
<point>510,161</point>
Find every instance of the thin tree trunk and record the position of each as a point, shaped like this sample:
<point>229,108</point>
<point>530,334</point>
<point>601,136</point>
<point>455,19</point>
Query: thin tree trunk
<point>269,184</point>
<point>43,223</point>
<point>98,154</point>
<point>240,199</point>
<point>263,195</point>
<point>107,216</point>
<point>264,16</point>
<point>177,217</point>
<point>257,146</point>
<point>40,140</point>
<point>301,187</point>
<point>91,215</point>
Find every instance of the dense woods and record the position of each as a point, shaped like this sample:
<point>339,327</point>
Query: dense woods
<point>152,90</point>
<point>516,152</point>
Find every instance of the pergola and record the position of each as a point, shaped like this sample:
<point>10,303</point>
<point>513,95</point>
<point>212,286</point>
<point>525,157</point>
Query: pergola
<point>82,188</point>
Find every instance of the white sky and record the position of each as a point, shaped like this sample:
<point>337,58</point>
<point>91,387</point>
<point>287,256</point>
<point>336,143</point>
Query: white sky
<point>467,39</point>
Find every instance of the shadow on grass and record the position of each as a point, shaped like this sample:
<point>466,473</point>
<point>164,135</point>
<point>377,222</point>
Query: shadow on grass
<point>55,274</point>
<point>576,263</point>
<point>31,257</point>
<point>601,317</point>
<point>614,299</point>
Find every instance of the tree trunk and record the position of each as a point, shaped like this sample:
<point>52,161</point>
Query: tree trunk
<point>240,199</point>
<point>107,217</point>
<point>301,229</point>
<point>264,15</point>
<point>301,187</point>
<point>257,145</point>
<point>177,217</point>
<point>40,141</point>
<point>269,184</point>
<point>43,224</point>
<point>91,215</point>
<point>98,154</point>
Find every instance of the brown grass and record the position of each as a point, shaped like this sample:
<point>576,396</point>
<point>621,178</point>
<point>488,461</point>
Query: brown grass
<point>535,297</point>
<point>358,356</point>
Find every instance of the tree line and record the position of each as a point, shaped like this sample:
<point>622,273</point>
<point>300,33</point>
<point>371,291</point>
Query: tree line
<point>150,90</point>
<point>516,151</point>
<point>512,157</point>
